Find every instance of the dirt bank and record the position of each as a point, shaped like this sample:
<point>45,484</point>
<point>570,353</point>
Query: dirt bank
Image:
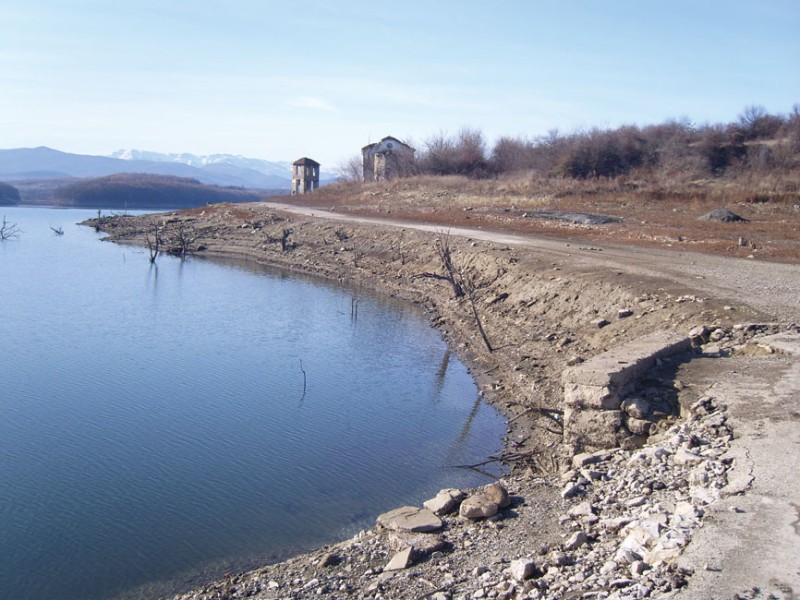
<point>541,305</point>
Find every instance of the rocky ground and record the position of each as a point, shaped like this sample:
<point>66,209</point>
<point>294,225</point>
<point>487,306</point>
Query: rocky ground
<point>611,524</point>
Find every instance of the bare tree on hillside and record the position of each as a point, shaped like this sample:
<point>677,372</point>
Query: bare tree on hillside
<point>350,170</point>
<point>462,283</point>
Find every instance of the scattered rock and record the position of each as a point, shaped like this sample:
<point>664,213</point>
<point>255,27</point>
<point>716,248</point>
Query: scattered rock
<point>522,569</point>
<point>399,561</point>
<point>575,541</point>
<point>686,457</point>
<point>486,502</point>
<point>582,509</point>
<point>410,518</point>
<point>445,502</point>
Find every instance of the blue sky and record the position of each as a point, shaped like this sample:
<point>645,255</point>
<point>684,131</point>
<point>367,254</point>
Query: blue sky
<point>281,80</point>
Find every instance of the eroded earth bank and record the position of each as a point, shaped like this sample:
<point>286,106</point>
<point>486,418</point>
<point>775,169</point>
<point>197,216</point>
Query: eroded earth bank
<point>653,401</point>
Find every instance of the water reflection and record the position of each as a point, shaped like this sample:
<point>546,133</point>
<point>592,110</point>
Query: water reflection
<point>440,374</point>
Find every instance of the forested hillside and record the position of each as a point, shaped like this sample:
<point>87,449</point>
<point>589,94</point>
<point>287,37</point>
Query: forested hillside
<point>140,191</point>
<point>9,195</point>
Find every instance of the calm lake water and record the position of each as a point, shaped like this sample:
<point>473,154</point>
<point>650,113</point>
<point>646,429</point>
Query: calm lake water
<point>154,428</point>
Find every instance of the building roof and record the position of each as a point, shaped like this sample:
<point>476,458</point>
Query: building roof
<point>387,138</point>
<point>306,162</point>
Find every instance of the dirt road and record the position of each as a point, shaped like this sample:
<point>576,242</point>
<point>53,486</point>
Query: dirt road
<point>772,288</point>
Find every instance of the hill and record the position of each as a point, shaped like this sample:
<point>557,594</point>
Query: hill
<point>145,191</point>
<point>9,195</point>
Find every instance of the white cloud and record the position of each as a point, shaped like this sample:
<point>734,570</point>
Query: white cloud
<point>312,103</point>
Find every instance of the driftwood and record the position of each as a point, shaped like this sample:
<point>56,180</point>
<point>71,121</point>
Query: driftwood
<point>551,413</point>
<point>505,457</point>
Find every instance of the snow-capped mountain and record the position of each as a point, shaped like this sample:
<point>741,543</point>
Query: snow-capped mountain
<point>273,168</point>
<point>18,164</point>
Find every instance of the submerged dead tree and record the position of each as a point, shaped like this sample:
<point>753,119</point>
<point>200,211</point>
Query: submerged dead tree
<point>154,244</point>
<point>8,230</point>
<point>185,242</point>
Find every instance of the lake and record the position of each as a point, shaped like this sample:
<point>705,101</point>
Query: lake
<point>164,424</point>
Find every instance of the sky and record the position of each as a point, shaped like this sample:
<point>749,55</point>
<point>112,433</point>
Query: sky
<point>279,80</point>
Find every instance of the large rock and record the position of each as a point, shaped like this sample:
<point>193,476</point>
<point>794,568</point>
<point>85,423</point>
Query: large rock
<point>423,543</point>
<point>410,518</point>
<point>445,502</point>
<point>486,502</point>
<point>591,430</point>
<point>399,561</point>
<point>603,381</point>
<point>522,569</point>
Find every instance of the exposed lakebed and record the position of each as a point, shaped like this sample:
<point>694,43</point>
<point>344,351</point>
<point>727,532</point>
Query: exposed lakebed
<point>160,423</point>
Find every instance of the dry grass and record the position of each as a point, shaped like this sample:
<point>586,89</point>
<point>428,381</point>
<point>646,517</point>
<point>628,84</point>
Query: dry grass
<point>653,212</point>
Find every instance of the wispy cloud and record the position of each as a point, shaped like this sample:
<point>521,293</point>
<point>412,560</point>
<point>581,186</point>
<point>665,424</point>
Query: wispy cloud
<point>312,103</point>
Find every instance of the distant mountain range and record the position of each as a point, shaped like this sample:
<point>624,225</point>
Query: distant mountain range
<point>21,164</point>
<point>277,168</point>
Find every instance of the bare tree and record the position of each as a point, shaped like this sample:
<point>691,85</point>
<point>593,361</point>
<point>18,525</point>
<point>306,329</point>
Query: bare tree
<point>284,240</point>
<point>186,241</point>
<point>8,230</point>
<point>462,283</point>
<point>464,154</point>
<point>511,154</point>
<point>350,170</point>
<point>153,245</point>
<point>755,122</point>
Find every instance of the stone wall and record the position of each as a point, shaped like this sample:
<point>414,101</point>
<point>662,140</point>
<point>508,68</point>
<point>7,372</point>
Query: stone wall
<point>599,411</point>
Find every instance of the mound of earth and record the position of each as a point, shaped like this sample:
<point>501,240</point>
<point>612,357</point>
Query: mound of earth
<point>723,215</point>
<point>573,217</point>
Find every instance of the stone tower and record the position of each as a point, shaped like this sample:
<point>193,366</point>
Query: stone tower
<point>305,176</point>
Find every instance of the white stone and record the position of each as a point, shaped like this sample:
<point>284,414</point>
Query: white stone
<point>570,490</point>
<point>686,457</point>
<point>608,567</point>
<point>410,518</point>
<point>576,540</point>
<point>399,561</point>
<point>636,407</point>
<point>582,509</point>
<point>445,502</point>
<point>522,569</point>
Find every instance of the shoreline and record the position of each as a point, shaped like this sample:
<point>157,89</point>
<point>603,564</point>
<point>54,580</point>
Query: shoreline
<point>538,305</point>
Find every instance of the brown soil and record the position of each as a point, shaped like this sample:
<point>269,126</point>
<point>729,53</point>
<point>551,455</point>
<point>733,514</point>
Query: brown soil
<point>651,215</point>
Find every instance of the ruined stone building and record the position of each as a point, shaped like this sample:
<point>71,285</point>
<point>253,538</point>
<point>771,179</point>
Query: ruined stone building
<point>387,159</point>
<point>305,176</point>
